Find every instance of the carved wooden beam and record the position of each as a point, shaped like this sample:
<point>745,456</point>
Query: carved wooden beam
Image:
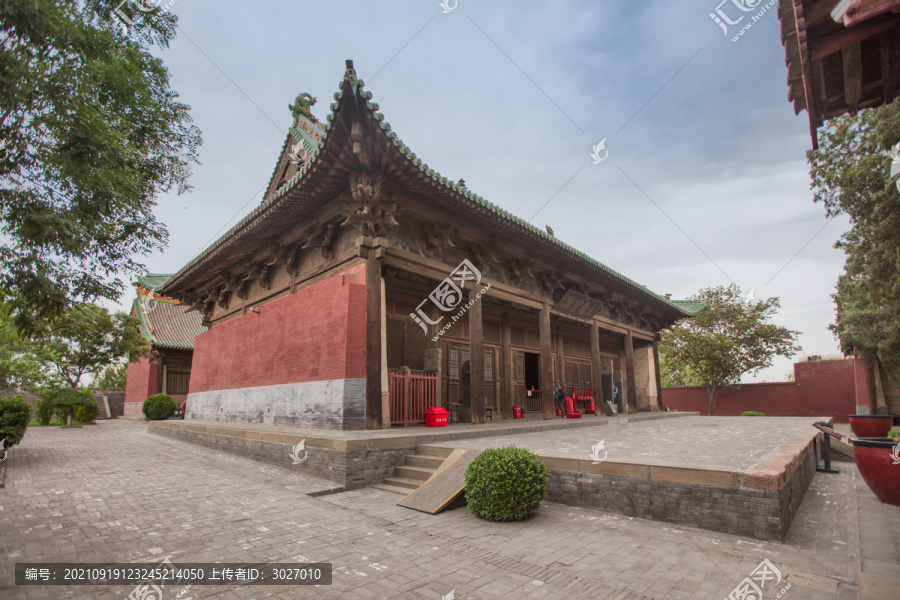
<point>484,252</point>
<point>318,237</point>
<point>368,210</point>
<point>548,281</point>
<point>433,239</point>
<point>516,270</point>
<point>262,274</point>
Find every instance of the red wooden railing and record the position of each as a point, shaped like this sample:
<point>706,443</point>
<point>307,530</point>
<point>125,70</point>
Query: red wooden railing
<point>412,394</point>
<point>583,398</point>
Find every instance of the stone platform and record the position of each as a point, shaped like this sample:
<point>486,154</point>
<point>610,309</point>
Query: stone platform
<point>743,475</point>
<point>739,475</point>
<point>355,459</point>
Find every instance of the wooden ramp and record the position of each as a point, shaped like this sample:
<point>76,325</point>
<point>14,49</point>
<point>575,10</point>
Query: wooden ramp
<point>446,488</point>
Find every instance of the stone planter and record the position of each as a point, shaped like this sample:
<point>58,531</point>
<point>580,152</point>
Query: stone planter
<point>871,426</point>
<point>878,461</point>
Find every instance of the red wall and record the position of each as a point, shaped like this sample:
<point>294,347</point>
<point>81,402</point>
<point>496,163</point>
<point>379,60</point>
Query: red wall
<point>141,381</point>
<point>315,334</point>
<point>821,389</point>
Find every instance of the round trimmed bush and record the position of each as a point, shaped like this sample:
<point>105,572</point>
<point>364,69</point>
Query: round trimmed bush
<point>506,484</point>
<point>89,409</point>
<point>69,404</point>
<point>15,414</point>
<point>159,407</point>
<point>752,413</point>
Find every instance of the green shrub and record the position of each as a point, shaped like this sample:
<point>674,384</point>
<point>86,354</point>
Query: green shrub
<point>506,484</point>
<point>67,402</point>
<point>894,433</point>
<point>43,411</point>
<point>87,412</point>
<point>15,415</point>
<point>752,413</point>
<point>159,407</point>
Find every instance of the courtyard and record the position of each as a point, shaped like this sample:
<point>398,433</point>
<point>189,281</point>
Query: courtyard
<point>115,493</point>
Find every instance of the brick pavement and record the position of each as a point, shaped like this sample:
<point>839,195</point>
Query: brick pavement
<point>113,492</point>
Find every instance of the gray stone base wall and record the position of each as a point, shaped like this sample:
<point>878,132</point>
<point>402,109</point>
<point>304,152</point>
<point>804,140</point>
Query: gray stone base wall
<point>350,468</point>
<point>791,495</point>
<point>759,513</point>
<point>755,513</point>
<point>333,404</point>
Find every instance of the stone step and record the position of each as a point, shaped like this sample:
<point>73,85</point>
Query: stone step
<point>428,462</point>
<point>416,473</point>
<point>402,482</point>
<point>400,491</point>
<point>442,453</point>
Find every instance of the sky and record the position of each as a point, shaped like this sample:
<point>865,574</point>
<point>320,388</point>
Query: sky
<point>706,181</point>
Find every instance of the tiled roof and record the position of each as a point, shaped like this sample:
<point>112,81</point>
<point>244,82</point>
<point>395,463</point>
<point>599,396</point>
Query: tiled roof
<point>691,307</point>
<point>352,87</point>
<point>154,281</point>
<point>164,322</point>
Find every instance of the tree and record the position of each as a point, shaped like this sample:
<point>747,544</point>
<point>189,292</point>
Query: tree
<point>672,375</point>
<point>19,366</point>
<point>851,176</point>
<point>87,339</point>
<point>114,376</point>
<point>727,339</point>
<point>93,134</point>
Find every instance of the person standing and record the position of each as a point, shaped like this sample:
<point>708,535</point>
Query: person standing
<point>559,400</point>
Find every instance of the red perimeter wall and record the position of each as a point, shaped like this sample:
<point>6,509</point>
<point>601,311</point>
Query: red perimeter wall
<point>821,389</point>
<point>142,380</point>
<point>315,334</point>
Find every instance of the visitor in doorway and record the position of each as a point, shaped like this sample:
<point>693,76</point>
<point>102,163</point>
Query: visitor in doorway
<point>559,400</point>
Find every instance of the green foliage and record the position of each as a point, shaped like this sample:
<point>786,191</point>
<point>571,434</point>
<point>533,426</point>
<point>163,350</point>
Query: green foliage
<point>87,339</point>
<point>95,134</point>
<point>675,375</point>
<point>19,366</point>
<point>506,484</point>
<point>87,412</point>
<point>725,340</point>
<point>851,176</point>
<point>43,411</point>
<point>68,402</point>
<point>15,414</point>
<point>159,407</point>
<point>752,413</point>
<point>115,376</point>
<point>894,433</point>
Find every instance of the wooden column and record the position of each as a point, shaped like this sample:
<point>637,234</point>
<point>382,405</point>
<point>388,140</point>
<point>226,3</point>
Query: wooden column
<point>546,364</point>
<point>560,373</point>
<point>631,397</point>
<point>659,401</point>
<point>596,373</point>
<point>476,355</point>
<point>507,368</point>
<point>373,339</point>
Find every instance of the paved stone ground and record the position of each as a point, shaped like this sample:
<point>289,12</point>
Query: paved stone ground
<point>114,492</point>
<point>716,441</point>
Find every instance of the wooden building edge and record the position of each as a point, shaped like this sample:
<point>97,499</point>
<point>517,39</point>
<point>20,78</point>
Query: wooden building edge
<point>366,288</point>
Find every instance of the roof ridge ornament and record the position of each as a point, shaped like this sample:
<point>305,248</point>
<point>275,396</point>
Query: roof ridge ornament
<point>351,82</point>
<point>301,106</point>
